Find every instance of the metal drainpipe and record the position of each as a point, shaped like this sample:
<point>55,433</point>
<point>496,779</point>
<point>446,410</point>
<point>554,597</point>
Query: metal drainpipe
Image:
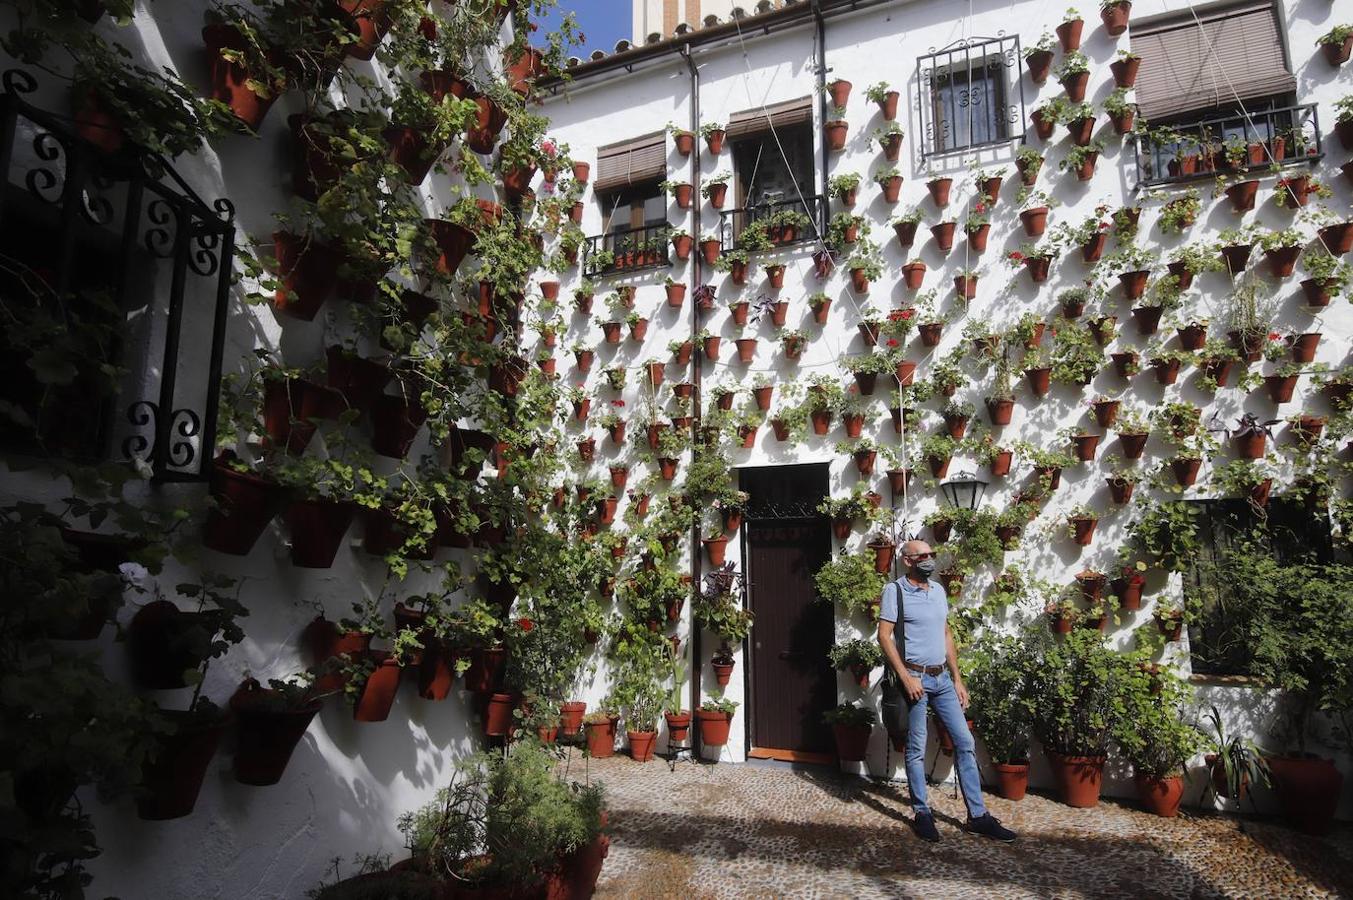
<point>821,92</point>
<point>698,357</point>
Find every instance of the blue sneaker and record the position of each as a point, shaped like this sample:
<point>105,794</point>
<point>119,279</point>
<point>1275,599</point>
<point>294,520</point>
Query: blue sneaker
<point>924,826</point>
<point>988,826</point>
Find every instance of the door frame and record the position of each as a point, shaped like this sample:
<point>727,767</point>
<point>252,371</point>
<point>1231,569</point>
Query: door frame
<point>806,514</point>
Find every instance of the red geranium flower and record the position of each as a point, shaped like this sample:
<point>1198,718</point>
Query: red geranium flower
<point>1274,336</point>
<point>617,402</point>
<point>892,342</point>
<point>525,624</point>
<point>1016,256</point>
<point>908,313</point>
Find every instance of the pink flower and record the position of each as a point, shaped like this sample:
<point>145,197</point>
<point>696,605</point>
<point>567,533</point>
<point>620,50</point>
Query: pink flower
<point>548,147</point>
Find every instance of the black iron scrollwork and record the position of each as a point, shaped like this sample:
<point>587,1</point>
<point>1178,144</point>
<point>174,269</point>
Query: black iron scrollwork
<point>159,239</point>
<point>95,207</point>
<point>141,414</point>
<point>17,81</point>
<point>185,425</point>
<point>225,210</point>
<point>41,181</point>
<point>203,259</point>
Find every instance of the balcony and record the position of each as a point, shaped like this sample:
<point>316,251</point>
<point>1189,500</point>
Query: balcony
<point>733,222</point>
<point>1239,142</point>
<point>628,250</point>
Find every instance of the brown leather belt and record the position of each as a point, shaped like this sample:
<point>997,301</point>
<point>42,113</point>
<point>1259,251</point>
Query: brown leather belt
<point>925,670</point>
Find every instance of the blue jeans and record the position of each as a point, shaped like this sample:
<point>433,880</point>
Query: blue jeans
<point>938,690</point>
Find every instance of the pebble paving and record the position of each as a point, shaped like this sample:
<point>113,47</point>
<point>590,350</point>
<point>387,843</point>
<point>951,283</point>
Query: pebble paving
<point>716,831</point>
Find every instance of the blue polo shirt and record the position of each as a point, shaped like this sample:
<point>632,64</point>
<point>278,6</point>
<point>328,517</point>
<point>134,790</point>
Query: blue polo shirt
<point>920,637</point>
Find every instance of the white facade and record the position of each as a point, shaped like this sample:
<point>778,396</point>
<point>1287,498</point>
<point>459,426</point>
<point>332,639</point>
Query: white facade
<point>348,782</point>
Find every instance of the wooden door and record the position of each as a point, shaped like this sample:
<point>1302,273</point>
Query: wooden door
<point>792,681</point>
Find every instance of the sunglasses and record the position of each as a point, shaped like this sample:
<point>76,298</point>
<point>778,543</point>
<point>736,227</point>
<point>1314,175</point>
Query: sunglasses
<point>918,555</point>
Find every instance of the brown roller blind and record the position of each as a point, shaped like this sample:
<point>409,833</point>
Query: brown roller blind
<point>777,115</point>
<point>631,162</point>
<point>1236,53</point>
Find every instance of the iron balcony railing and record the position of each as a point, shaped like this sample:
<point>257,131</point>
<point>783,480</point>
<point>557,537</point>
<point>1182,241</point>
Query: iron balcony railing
<point>1236,142</point>
<point>628,250</point>
<point>733,222</point>
<point>125,226</point>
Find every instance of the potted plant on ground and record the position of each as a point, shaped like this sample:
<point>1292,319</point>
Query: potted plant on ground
<point>1076,697</point>
<point>1153,735</point>
<point>1233,761</point>
<point>999,669</point>
<point>851,726</point>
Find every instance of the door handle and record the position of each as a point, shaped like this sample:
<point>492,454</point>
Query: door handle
<point>789,654</point>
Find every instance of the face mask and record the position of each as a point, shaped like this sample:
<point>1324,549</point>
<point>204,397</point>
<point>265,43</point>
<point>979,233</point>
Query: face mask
<point>924,567</point>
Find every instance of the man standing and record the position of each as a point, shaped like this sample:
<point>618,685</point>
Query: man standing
<point>923,671</point>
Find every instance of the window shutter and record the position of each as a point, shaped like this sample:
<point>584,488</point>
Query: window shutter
<point>635,161</point>
<point>779,115</point>
<point>1237,53</point>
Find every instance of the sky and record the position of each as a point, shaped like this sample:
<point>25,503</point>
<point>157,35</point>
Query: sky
<point>602,21</point>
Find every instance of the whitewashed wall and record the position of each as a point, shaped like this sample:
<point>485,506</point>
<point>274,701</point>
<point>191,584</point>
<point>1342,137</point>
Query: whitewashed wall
<point>883,45</point>
<point>347,782</point>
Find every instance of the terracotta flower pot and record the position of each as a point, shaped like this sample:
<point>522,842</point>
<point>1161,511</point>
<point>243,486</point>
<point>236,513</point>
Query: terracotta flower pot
<point>1040,380</point>
<point>1000,411</point>
<point>939,189</point>
<point>1159,795</point>
<point>714,727</point>
<point>715,549</point>
<point>678,727</point>
<point>232,83</point>
<point>836,134</point>
<point>723,672</point>
<point>1084,528</point>
<point>888,106</point>
<point>906,233</point>
<point>1040,65</point>
<point>1012,779</point>
<point>1078,778</point>
<point>244,505</point>
<point>1337,54</point>
<point>641,744</point>
<point>1308,788</point>
<point>377,695</point>
<point>1280,387</point>
<point>1085,445</point>
<point>317,527</point>
<point>1075,85</point>
<point>1069,33</point>
<point>1035,220</point>
<point>1185,470</point>
<point>1133,444</point>
<point>267,734</point>
<point>1282,261</point>
<point>685,142</point>
<point>172,778</point>
<point>1043,127</point>
<point>1125,72</point>
<point>601,738</point>
<point>714,141</point>
<point>852,741</point>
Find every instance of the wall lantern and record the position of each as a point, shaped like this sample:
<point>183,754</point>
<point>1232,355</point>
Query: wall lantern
<point>964,490</point>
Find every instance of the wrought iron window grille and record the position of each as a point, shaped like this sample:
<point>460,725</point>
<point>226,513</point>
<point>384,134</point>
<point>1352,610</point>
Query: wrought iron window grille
<point>956,115</point>
<point>1188,151</point>
<point>168,241</point>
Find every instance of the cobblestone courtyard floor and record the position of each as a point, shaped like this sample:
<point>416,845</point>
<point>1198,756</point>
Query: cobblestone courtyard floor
<point>753,831</point>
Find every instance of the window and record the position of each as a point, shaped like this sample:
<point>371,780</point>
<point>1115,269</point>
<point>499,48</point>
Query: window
<point>1215,60</point>
<point>1219,95</point>
<point>969,105</point>
<point>970,95</point>
<point>1288,532</point>
<point>773,165</point>
<point>633,208</point>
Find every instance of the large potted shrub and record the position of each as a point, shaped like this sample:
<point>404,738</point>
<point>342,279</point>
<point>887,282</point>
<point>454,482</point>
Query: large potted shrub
<point>1000,669</point>
<point>1154,736</point>
<point>1077,702</point>
<point>506,825</point>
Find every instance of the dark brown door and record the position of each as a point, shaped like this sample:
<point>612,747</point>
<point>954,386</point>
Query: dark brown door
<point>792,681</point>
